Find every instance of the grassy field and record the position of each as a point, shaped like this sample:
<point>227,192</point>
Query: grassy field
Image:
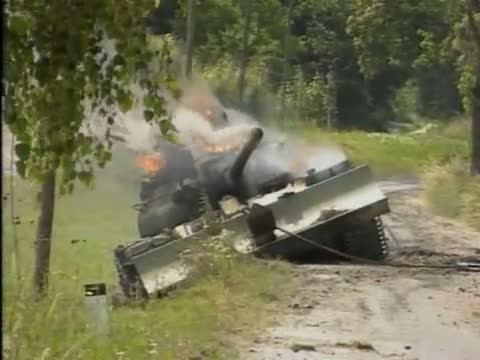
<point>226,300</point>
<point>451,192</point>
<point>439,157</point>
<point>398,154</point>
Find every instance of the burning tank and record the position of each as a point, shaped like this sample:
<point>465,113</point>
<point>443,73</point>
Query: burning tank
<point>266,208</point>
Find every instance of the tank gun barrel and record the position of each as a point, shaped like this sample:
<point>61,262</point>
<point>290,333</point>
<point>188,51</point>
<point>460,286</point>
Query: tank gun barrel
<point>247,150</point>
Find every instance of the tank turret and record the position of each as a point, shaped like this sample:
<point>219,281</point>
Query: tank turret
<point>222,174</point>
<point>239,164</point>
<point>182,200</point>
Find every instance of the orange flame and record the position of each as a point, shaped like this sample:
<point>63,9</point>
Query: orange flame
<point>211,147</point>
<point>220,148</point>
<point>151,163</point>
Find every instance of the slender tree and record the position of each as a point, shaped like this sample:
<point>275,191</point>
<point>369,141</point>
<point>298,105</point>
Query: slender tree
<point>247,10</point>
<point>331,97</point>
<point>190,37</point>
<point>286,56</point>
<point>467,42</point>
<point>44,233</point>
<point>59,54</point>
<point>473,21</point>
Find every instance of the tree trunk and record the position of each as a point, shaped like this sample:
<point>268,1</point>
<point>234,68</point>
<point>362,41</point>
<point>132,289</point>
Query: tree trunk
<point>286,60</point>
<point>473,7</point>
<point>16,250</point>
<point>244,54</point>
<point>332,98</point>
<point>190,38</point>
<point>44,235</point>
<point>476,129</point>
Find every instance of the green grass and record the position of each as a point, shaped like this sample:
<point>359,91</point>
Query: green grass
<point>451,192</point>
<point>227,300</point>
<point>397,154</point>
<point>438,157</point>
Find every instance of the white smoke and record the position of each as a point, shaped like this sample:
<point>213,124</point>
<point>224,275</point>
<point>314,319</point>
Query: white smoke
<point>194,117</point>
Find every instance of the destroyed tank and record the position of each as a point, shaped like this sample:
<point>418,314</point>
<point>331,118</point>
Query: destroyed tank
<point>266,210</point>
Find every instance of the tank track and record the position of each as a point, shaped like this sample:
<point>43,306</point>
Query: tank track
<point>129,283</point>
<point>203,203</point>
<point>367,240</point>
<point>123,279</point>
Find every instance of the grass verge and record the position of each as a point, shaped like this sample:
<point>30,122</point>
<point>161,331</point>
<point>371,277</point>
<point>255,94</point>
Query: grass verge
<point>227,298</point>
<point>438,157</point>
<point>397,154</point>
<point>452,192</point>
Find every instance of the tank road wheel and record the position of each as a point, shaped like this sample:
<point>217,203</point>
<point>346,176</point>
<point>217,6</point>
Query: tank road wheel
<point>367,240</point>
<point>124,281</point>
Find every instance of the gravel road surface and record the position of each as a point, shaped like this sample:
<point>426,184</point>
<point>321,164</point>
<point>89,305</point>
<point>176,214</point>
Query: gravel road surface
<point>368,313</point>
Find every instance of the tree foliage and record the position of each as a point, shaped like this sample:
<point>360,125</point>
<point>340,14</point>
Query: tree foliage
<point>66,58</point>
<point>372,47</point>
<point>388,59</point>
<point>466,42</point>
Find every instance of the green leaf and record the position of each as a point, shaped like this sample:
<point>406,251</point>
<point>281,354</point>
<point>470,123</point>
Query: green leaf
<point>159,106</point>
<point>118,60</point>
<point>165,126</point>
<point>85,177</point>
<point>107,156</point>
<point>22,151</point>
<point>149,115</point>
<point>125,100</point>
<point>19,24</point>
<point>20,168</point>
<point>149,101</point>
<point>172,137</point>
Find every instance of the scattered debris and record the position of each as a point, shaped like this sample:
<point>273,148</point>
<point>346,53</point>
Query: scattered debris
<point>427,128</point>
<point>302,347</point>
<point>471,262</point>
<point>76,241</point>
<point>363,346</point>
<point>300,306</point>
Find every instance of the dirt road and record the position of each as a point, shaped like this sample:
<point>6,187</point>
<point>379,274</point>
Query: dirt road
<point>369,313</point>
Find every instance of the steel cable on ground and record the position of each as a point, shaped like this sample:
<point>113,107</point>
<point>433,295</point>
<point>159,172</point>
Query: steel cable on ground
<point>373,262</point>
<point>466,268</point>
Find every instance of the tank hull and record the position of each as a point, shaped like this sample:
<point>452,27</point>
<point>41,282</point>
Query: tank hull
<point>325,211</point>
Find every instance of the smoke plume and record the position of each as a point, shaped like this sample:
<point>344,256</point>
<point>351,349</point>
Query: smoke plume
<point>203,124</point>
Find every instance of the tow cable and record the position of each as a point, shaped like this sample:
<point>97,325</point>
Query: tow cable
<point>460,266</point>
